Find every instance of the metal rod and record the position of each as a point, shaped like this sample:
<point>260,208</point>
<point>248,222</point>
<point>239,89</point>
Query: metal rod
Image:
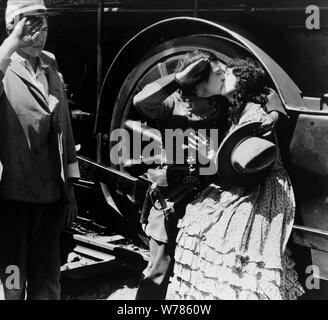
<point>315,231</point>
<point>202,10</point>
<point>127,178</point>
<point>195,8</point>
<point>100,14</point>
<point>99,46</point>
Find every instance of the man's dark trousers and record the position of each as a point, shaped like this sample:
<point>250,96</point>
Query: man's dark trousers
<point>29,239</point>
<point>160,267</point>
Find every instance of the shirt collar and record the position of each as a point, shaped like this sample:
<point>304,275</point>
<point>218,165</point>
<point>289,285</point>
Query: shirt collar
<point>16,57</point>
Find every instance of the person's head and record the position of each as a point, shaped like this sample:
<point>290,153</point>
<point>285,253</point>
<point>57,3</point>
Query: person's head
<point>211,79</point>
<point>245,81</point>
<point>31,9</point>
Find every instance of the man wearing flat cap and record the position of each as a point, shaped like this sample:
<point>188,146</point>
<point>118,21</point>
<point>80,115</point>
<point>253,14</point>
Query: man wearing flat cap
<point>37,156</point>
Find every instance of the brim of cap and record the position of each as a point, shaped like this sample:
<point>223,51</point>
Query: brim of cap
<point>36,14</point>
<point>225,171</point>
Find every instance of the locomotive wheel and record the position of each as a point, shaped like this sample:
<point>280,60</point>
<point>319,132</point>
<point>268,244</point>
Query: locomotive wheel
<point>135,66</point>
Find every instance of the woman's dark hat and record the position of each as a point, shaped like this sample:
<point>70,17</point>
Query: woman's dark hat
<point>243,158</point>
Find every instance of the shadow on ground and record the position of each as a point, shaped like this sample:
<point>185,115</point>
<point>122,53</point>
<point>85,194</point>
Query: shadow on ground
<point>120,283</point>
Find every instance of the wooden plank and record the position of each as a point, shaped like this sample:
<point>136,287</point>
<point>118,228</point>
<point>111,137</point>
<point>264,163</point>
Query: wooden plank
<point>119,251</point>
<point>106,239</point>
<point>85,240</point>
<point>93,254</point>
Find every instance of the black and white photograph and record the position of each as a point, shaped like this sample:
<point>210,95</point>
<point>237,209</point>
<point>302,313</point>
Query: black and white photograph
<point>163,150</point>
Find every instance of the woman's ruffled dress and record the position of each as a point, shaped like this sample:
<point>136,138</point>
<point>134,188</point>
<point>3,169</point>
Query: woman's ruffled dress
<point>232,242</point>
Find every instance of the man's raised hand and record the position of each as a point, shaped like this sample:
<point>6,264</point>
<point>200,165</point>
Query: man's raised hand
<point>192,73</point>
<point>26,32</point>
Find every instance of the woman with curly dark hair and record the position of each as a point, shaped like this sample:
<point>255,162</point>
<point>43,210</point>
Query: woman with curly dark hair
<point>232,239</point>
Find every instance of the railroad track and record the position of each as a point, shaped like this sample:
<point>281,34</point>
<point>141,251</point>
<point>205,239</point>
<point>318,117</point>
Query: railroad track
<point>94,254</point>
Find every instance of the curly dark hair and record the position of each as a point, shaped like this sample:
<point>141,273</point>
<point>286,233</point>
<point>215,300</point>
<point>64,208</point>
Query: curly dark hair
<point>250,87</point>
<point>188,59</point>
